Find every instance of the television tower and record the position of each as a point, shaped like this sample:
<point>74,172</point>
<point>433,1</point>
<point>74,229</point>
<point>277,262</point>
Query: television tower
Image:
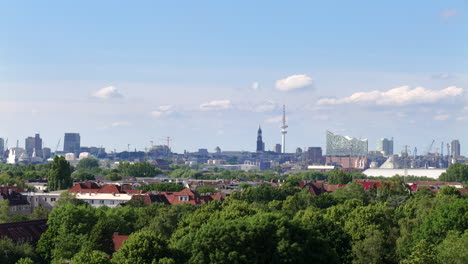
<point>283,131</point>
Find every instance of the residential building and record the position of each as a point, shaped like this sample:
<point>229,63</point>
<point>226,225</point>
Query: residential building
<point>455,147</point>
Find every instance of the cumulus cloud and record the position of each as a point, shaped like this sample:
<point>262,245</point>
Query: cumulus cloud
<point>403,95</point>
<point>163,110</point>
<point>441,117</point>
<point>255,86</point>
<point>216,105</point>
<point>294,82</point>
<point>107,93</point>
<point>448,13</point>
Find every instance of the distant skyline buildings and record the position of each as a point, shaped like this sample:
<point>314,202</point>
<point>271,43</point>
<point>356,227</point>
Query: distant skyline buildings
<point>455,148</point>
<point>260,143</point>
<point>71,143</point>
<point>385,145</point>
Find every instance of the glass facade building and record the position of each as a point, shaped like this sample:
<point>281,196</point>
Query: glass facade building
<point>338,145</point>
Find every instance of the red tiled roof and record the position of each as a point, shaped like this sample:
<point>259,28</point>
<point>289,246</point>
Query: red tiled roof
<point>109,188</point>
<point>118,240</point>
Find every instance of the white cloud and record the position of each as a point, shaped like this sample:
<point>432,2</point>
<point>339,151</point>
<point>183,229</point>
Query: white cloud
<point>441,117</point>
<point>403,95</point>
<point>255,86</point>
<point>120,124</point>
<point>163,110</point>
<point>462,118</point>
<point>294,82</point>
<point>465,108</point>
<point>448,13</point>
<point>216,105</point>
<point>108,92</point>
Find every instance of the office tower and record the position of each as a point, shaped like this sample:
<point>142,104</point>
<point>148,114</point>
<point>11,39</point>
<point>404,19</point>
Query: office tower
<point>38,145</point>
<point>338,145</point>
<point>260,144</point>
<point>314,155</point>
<point>283,131</point>
<point>29,145</point>
<point>455,147</point>
<point>278,148</point>
<point>71,143</point>
<point>385,145</point>
<point>46,153</point>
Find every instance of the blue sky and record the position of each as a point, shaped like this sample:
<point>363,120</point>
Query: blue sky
<point>207,73</point>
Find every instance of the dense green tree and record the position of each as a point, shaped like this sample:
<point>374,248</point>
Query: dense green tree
<point>100,237</point>
<point>422,253</point>
<point>139,169</point>
<point>449,190</point>
<point>453,249</point>
<point>457,172</point>
<point>113,176</point>
<point>40,213</point>
<point>25,261</point>
<point>82,175</point>
<point>68,229</point>
<point>87,163</point>
<point>59,176</point>
<point>4,211</point>
<point>339,177</point>
<point>143,247</point>
<point>90,257</point>
<point>10,252</point>
<point>67,197</point>
<point>352,190</point>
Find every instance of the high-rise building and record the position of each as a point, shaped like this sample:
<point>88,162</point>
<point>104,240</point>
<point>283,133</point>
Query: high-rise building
<point>278,148</point>
<point>455,147</point>
<point>314,155</point>
<point>338,145</point>
<point>260,144</point>
<point>29,144</point>
<point>385,145</point>
<point>71,143</point>
<point>38,145</point>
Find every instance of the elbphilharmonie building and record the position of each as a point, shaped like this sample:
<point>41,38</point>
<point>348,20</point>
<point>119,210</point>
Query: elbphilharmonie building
<point>338,145</point>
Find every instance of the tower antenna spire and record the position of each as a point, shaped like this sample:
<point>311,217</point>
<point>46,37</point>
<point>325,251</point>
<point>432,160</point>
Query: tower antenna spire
<point>283,131</point>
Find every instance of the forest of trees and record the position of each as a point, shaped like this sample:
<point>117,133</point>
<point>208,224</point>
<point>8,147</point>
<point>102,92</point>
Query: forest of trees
<point>388,224</point>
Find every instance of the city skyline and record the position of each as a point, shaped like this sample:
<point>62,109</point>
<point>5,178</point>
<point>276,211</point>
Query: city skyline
<point>131,74</point>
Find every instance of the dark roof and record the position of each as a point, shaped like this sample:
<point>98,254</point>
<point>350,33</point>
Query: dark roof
<point>24,231</point>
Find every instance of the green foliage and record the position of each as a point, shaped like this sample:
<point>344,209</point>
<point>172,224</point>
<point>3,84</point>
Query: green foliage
<point>457,172</point>
<point>163,187</point>
<point>449,190</point>
<point>91,257</point>
<point>113,177</point>
<point>453,249</point>
<point>25,261</point>
<point>10,252</point>
<point>352,190</point>
<point>139,169</point>
<point>339,177</point>
<point>59,175</point>
<point>4,211</point>
<point>40,213</point>
<point>87,163</point>
<point>82,175</point>
<point>67,197</point>
<point>143,247</point>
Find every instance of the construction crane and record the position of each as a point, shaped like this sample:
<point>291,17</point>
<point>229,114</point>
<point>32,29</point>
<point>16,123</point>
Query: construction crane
<point>168,141</point>
<point>430,146</point>
<point>58,145</point>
